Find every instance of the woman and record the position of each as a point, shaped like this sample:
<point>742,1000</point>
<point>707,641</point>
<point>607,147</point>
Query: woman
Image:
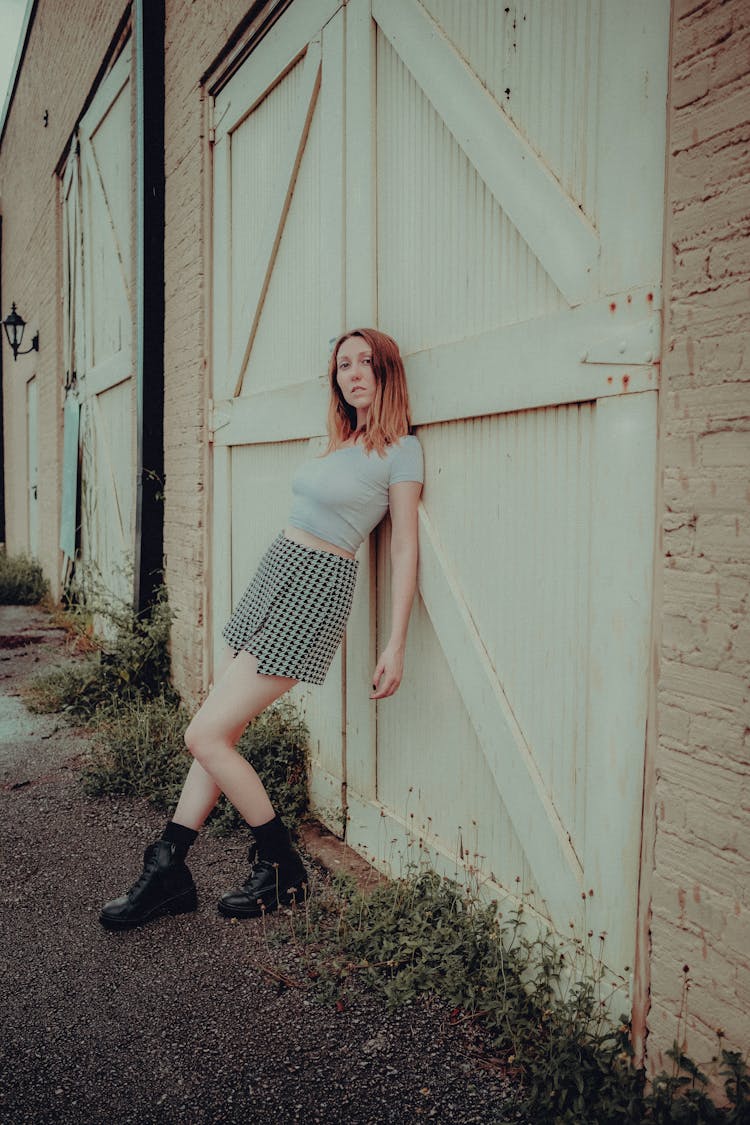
<point>289,624</point>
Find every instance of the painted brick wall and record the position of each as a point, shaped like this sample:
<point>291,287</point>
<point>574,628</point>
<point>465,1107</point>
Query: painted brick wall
<point>65,40</point>
<point>700,926</point>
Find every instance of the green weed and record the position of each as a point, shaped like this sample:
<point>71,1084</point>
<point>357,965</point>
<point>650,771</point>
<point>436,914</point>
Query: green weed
<point>131,663</point>
<point>543,1007</point>
<point>138,750</point>
<point>21,580</point>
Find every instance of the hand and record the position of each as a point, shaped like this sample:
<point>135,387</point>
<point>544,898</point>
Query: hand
<point>388,673</point>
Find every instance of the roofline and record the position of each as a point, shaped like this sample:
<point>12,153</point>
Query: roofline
<point>23,40</point>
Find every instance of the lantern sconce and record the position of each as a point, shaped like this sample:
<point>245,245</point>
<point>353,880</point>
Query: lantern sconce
<point>14,325</point>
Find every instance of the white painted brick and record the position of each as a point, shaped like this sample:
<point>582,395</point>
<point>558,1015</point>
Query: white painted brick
<point>724,872</point>
<point>721,689</point>
<point>729,448</point>
<point>674,722</point>
<point>721,734</point>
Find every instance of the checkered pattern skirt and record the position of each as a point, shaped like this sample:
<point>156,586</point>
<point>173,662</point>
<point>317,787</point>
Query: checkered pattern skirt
<point>293,614</point>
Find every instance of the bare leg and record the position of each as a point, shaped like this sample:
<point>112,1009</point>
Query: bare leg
<point>199,792</point>
<point>238,696</point>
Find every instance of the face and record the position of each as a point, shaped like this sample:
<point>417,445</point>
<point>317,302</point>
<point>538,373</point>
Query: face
<point>355,376</point>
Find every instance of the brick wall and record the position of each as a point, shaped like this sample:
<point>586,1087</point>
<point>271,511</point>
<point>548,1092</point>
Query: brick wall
<point>65,40</point>
<point>700,884</point>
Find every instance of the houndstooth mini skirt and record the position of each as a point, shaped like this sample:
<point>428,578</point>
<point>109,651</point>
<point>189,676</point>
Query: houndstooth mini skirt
<point>293,614</point>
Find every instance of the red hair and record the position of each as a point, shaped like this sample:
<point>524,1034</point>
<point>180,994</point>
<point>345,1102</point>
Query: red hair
<point>389,417</point>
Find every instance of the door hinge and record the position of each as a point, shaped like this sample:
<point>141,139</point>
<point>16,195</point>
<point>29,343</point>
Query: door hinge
<point>631,344</point>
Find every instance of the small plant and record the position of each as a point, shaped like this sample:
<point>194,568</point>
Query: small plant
<point>139,751</point>
<point>132,664</point>
<point>542,1006</point>
<point>21,580</point>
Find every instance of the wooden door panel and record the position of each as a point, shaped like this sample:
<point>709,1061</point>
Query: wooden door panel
<point>540,62</point>
<point>97,328</point>
<point>561,238</point>
<point>496,224</point>
<point>245,324</point>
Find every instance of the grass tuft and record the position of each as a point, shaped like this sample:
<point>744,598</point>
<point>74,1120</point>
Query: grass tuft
<point>138,750</point>
<point>21,580</point>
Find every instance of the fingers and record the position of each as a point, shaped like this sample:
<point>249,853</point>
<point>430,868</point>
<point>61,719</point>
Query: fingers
<point>388,689</point>
<point>384,683</point>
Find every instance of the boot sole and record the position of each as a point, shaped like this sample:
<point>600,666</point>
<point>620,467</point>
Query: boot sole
<point>255,909</point>
<point>184,903</point>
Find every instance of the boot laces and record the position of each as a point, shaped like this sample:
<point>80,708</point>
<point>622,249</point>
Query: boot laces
<point>150,864</point>
<point>256,864</point>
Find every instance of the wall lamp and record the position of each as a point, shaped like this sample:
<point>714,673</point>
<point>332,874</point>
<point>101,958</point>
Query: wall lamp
<point>14,326</point>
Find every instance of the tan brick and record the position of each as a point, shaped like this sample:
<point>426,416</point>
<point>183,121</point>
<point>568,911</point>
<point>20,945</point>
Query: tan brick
<point>688,775</point>
<point>702,310</point>
<point>717,734</point>
<point>723,871</point>
<point>730,448</point>
<point>673,722</point>
<point>723,536</point>
<point>707,593</point>
<point>729,258</point>
<point>699,30</point>
<point>719,215</point>
<point>716,490</point>
<point>725,691</point>
<point>679,536</point>
<point>692,84</point>
<point>700,1042</point>
<point>711,823</point>
<point>712,405</point>
<point>731,63</point>
<point>698,123</point>
<point>714,1009</point>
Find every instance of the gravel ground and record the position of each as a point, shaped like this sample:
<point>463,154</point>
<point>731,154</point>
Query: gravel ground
<point>179,1021</point>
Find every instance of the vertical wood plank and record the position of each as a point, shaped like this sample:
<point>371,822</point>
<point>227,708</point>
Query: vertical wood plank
<point>623,516</point>
<point>332,193</point>
<point>361,311</point>
<point>634,58</point>
<point>221,310</point>
<point>361,166</point>
<point>221,548</point>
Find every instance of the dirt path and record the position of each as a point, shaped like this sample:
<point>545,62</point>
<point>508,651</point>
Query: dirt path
<point>177,1022</point>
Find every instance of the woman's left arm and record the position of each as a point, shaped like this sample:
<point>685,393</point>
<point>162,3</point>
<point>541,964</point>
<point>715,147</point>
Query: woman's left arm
<point>404,503</point>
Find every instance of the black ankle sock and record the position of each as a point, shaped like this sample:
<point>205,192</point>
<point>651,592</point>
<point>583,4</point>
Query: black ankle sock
<point>272,838</point>
<point>180,836</point>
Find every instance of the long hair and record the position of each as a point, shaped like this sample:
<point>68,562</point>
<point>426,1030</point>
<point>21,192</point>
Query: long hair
<point>389,417</point>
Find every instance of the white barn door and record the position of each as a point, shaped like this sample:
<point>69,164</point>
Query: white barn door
<point>97,323</point>
<point>277,300</point>
<point>504,184</point>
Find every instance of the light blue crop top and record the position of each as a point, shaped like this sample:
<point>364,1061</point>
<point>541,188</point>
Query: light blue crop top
<point>341,497</point>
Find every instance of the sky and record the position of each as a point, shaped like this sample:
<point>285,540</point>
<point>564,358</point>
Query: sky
<point>11,18</point>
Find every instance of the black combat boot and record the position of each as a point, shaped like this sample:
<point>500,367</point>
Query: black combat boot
<point>165,886</point>
<point>271,883</point>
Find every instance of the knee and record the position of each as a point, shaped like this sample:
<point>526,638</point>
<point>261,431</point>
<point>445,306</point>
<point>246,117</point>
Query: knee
<point>196,740</point>
<point>204,742</point>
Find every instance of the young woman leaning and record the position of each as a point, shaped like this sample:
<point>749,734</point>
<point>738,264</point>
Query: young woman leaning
<point>288,625</point>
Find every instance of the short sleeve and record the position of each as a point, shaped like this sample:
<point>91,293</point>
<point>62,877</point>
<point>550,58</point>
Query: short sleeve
<point>408,461</point>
